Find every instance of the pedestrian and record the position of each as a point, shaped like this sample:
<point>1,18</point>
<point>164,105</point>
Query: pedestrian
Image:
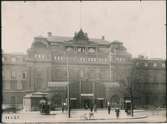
<point>86,106</point>
<point>95,108</point>
<point>62,107</point>
<point>91,108</point>
<point>117,112</point>
<point>108,107</point>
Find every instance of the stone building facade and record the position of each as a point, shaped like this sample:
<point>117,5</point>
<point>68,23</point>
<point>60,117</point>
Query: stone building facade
<point>15,78</point>
<point>149,77</point>
<point>96,70</point>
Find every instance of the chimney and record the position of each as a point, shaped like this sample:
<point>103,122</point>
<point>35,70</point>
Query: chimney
<point>49,34</point>
<point>103,38</point>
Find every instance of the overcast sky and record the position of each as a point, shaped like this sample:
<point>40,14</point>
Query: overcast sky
<point>139,25</point>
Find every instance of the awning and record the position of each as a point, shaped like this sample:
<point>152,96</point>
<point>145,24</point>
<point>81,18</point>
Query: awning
<point>73,98</point>
<point>57,84</point>
<point>100,98</point>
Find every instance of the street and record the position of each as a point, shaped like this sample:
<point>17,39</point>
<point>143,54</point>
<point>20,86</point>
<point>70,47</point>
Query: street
<point>79,116</point>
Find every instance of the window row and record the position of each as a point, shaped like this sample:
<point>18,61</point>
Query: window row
<point>42,56</point>
<point>119,59</point>
<point>14,75</point>
<point>153,64</point>
<point>13,59</point>
<point>81,59</point>
<point>14,85</point>
<point>81,49</point>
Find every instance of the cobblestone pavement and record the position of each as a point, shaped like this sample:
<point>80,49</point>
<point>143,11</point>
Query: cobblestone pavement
<point>82,116</point>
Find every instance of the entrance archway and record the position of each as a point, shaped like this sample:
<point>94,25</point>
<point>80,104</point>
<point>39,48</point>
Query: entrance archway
<point>115,101</point>
<point>86,102</point>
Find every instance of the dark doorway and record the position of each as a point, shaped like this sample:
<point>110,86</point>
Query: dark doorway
<point>86,103</point>
<point>73,104</point>
<point>115,100</point>
<point>100,103</point>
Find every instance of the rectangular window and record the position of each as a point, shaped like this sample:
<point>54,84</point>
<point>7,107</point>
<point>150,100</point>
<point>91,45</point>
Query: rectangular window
<point>24,75</point>
<point>13,59</point>
<point>13,84</point>
<point>163,65</point>
<point>55,57</point>
<point>6,84</point>
<point>23,83</point>
<point>146,64</point>
<point>13,100</point>
<point>83,50</point>
<point>19,85</point>
<point>58,57</point>
<point>43,57</point>
<point>13,75</point>
<point>79,49</point>
<point>36,55</point>
<point>155,64</point>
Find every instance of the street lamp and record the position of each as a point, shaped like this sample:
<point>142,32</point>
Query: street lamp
<point>68,89</point>
<point>131,94</point>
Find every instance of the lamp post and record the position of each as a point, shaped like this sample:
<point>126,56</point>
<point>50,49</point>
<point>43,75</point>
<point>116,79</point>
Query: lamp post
<point>131,94</point>
<point>68,89</point>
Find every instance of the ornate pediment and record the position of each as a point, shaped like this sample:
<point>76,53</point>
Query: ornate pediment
<point>80,36</point>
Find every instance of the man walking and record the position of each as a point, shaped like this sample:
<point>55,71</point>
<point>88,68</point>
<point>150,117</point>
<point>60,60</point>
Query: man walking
<point>117,112</point>
<point>109,107</point>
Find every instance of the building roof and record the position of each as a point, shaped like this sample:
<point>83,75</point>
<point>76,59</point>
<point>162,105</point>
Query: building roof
<point>66,39</point>
<point>77,37</point>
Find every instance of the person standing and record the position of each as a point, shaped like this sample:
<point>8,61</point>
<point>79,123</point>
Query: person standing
<point>63,107</point>
<point>95,108</point>
<point>109,107</point>
<point>117,111</point>
<point>91,108</point>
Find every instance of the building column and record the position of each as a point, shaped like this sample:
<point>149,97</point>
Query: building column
<point>93,89</point>
<point>80,93</point>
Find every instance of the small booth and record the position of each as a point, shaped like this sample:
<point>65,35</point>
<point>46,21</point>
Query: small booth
<point>127,106</point>
<point>31,102</point>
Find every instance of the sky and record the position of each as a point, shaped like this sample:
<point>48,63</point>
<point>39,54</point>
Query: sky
<point>139,25</point>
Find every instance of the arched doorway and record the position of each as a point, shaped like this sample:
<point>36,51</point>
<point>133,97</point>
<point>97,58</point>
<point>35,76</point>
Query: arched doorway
<point>115,101</point>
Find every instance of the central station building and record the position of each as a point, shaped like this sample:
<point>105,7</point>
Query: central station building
<point>96,71</point>
<point>94,68</point>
